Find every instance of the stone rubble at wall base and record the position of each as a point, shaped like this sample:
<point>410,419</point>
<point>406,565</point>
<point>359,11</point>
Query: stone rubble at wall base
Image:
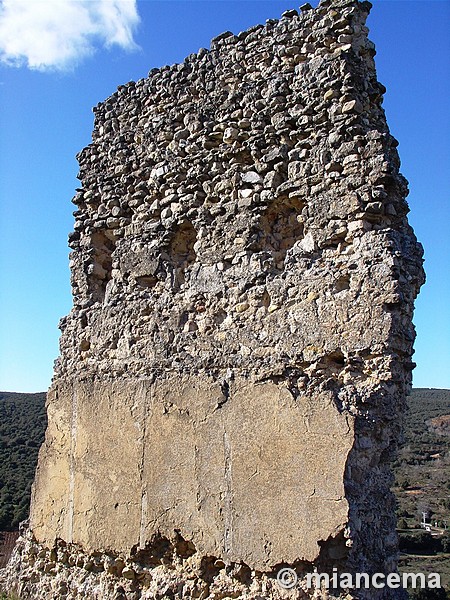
<point>67,572</point>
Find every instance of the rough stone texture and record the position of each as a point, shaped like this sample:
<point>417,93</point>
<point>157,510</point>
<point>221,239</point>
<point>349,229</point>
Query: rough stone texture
<point>235,365</point>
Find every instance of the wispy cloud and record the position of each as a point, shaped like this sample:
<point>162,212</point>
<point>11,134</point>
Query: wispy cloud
<point>58,34</point>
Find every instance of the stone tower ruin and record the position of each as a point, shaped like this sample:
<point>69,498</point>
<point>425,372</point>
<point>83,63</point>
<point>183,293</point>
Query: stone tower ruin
<point>234,368</point>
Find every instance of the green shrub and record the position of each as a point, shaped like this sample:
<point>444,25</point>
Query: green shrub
<point>429,594</point>
<point>422,542</point>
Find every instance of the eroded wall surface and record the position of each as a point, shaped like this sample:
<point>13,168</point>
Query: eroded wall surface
<point>176,455</point>
<point>235,365</point>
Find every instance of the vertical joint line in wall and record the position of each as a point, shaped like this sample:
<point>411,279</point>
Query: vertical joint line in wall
<point>73,442</point>
<point>144,512</point>
<point>144,500</point>
<point>228,501</point>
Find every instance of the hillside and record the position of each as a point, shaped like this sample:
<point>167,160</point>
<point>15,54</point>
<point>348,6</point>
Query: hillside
<point>423,466</point>
<point>22,425</point>
<point>422,473</point>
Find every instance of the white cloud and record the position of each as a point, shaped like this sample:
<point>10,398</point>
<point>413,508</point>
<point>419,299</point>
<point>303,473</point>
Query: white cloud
<point>58,34</point>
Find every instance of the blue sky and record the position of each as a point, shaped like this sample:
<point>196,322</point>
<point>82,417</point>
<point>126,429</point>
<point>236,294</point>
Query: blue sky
<point>48,86</point>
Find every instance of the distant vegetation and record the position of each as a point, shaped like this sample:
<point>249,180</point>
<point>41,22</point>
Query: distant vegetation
<point>422,469</point>
<point>22,425</point>
<point>422,474</point>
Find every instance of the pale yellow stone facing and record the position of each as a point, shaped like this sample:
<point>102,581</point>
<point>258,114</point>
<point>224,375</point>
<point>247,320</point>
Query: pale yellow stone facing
<point>177,454</point>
